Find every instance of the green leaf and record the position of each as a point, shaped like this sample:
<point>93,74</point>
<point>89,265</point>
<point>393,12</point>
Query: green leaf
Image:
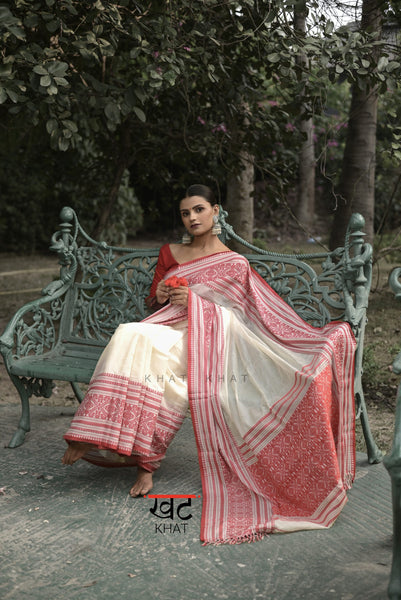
<point>70,125</point>
<point>11,23</point>
<point>155,83</point>
<point>12,95</point>
<point>88,55</point>
<point>61,81</point>
<point>382,64</point>
<point>39,70</point>
<point>14,110</point>
<point>53,25</point>
<point>112,112</point>
<point>3,95</point>
<point>51,125</point>
<point>6,70</point>
<point>58,68</point>
<point>52,90</point>
<point>273,57</point>
<point>170,76</point>
<point>45,80</point>
<point>392,66</point>
<point>31,21</point>
<point>140,114</point>
<point>104,43</point>
<point>27,55</point>
<point>155,74</point>
<point>139,93</point>
<point>63,144</point>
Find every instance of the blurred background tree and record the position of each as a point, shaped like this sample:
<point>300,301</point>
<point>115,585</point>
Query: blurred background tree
<point>114,108</point>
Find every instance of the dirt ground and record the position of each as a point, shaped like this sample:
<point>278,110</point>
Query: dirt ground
<point>23,277</point>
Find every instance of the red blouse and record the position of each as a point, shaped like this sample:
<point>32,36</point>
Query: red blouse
<point>165,262</point>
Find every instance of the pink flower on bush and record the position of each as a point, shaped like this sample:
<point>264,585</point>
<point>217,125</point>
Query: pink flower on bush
<point>220,127</point>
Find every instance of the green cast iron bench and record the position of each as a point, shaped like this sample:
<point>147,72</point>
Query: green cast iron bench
<point>61,335</point>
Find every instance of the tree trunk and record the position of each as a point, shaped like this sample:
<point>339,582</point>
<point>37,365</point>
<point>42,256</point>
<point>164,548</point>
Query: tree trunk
<point>121,165</point>
<point>305,206</point>
<point>239,201</point>
<point>357,184</point>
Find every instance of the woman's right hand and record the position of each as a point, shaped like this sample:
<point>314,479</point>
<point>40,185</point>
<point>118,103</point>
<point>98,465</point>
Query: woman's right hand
<point>162,294</point>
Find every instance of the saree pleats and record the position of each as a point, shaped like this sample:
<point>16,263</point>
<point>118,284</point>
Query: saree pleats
<point>137,398</point>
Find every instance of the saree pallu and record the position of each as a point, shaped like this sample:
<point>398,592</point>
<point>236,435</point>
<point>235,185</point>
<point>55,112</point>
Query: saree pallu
<point>271,401</point>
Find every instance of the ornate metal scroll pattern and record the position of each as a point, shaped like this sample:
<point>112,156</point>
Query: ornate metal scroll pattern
<point>38,333</point>
<point>36,329</point>
<point>335,288</point>
<point>110,290</point>
<point>357,273</point>
<point>64,243</point>
<point>317,298</point>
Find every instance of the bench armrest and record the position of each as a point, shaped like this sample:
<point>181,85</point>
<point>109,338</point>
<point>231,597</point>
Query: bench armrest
<point>23,335</point>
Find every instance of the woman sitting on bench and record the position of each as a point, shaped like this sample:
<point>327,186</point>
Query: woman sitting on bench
<point>271,398</point>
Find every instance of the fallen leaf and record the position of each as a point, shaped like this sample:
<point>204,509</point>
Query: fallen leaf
<point>86,585</point>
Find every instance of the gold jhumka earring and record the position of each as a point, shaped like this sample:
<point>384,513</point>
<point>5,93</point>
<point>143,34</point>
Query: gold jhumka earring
<point>216,229</point>
<point>186,238</point>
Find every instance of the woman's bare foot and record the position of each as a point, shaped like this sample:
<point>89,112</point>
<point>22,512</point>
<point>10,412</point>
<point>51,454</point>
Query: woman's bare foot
<point>75,451</point>
<point>143,483</point>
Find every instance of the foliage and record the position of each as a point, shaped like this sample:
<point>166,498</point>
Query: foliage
<point>330,131</point>
<point>36,183</point>
<point>170,91</point>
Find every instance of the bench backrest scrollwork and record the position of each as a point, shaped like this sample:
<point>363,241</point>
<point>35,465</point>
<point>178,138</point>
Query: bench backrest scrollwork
<point>111,283</point>
<point>101,286</point>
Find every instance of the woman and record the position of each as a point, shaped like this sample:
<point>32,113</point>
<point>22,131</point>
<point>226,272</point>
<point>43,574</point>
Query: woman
<point>271,397</point>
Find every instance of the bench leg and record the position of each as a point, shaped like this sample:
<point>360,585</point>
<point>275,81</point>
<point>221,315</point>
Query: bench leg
<point>392,462</point>
<point>374,454</point>
<point>26,388</point>
<point>79,394</point>
<point>394,468</point>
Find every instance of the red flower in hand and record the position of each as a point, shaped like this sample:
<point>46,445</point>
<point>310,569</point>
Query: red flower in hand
<point>176,282</point>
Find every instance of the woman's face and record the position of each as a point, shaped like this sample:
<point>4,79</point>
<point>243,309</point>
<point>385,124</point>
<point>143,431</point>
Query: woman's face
<point>197,214</point>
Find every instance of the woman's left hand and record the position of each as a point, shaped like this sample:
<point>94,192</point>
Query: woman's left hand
<point>178,295</point>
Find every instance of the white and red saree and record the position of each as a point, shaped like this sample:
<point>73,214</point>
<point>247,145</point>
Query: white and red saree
<point>271,400</point>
